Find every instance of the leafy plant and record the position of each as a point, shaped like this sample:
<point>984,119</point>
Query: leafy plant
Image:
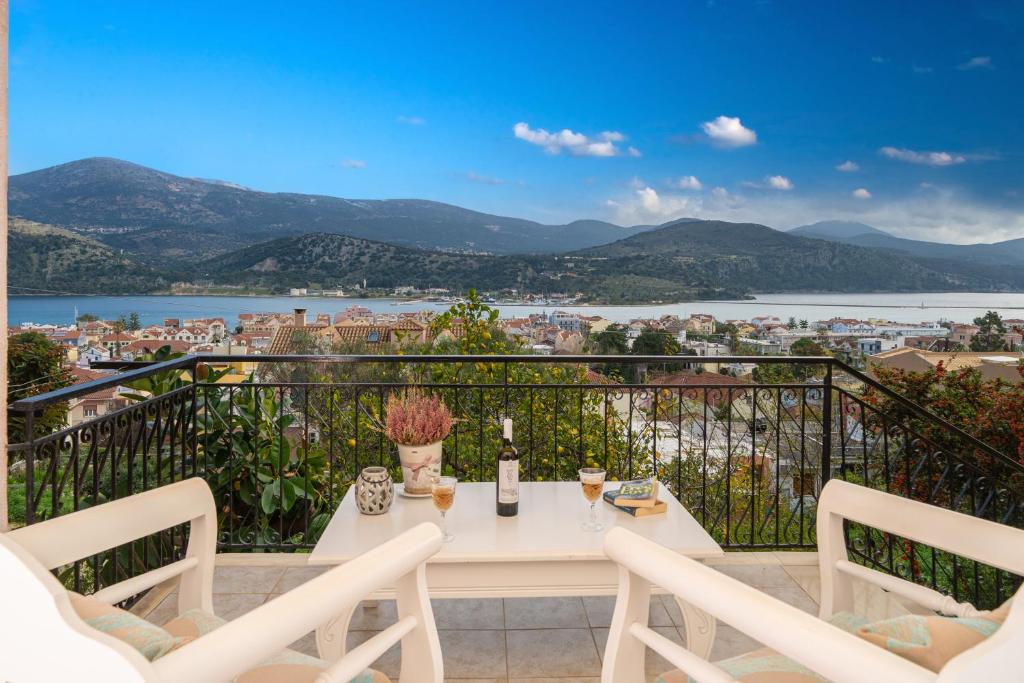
<point>417,418</point>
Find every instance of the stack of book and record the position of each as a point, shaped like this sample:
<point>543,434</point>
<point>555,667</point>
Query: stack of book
<point>638,498</point>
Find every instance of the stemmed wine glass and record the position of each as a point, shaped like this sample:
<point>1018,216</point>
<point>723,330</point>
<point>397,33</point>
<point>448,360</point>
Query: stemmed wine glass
<point>592,479</point>
<point>442,491</point>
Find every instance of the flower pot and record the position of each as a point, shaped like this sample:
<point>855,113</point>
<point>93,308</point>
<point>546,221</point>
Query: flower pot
<point>419,465</point>
<point>374,491</point>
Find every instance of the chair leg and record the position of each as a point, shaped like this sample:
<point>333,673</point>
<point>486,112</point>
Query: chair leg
<point>421,648</point>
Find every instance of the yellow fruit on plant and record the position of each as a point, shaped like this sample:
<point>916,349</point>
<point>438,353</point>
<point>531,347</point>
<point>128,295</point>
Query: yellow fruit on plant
<point>351,443</point>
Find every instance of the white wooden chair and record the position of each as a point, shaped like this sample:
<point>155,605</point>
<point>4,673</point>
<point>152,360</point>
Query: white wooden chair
<point>42,638</point>
<point>831,652</point>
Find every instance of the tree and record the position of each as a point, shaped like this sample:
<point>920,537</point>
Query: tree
<point>35,365</point>
<point>791,323</point>
<point>803,324</point>
<point>87,318</point>
<point>655,343</point>
<point>807,347</point>
<point>120,324</point>
<point>610,341</point>
<point>134,323</point>
<point>991,331</point>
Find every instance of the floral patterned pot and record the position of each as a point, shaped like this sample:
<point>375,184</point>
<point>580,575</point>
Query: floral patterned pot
<point>420,464</point>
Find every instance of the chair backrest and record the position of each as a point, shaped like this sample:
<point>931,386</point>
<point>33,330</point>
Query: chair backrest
<point>993,544</point>
<point>41,636</point>
<point>987,542</point>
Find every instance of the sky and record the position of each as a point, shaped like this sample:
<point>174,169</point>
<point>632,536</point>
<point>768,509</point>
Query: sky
<point>905,116</point>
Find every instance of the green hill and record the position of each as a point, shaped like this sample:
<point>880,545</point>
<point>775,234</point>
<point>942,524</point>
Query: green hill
<point>42,259</point>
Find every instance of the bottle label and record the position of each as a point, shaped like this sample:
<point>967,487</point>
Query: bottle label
<point>508,481</point>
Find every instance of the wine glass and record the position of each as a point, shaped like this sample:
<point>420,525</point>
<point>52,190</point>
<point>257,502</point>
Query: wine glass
<point>442,491</point>
<point>592,479</point>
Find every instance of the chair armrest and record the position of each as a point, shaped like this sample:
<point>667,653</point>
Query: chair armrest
<point>825,649</point>
<point>245,642</point>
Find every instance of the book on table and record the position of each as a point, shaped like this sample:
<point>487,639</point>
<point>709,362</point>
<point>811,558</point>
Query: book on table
<point>639,493</point>
<point>658,508</point>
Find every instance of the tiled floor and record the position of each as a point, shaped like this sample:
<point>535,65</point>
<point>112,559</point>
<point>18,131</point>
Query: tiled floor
<point>520,640</point>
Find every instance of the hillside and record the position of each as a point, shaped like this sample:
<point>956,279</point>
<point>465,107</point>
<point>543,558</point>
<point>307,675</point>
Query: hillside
<point>757,258</point>
<point>324,260</point>
<point>42,257</point>
<point>680,261</point>
<point>1010,252</point>
<point>158,215</point>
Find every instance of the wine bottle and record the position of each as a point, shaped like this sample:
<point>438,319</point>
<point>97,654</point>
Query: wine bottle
<point>508,475</point>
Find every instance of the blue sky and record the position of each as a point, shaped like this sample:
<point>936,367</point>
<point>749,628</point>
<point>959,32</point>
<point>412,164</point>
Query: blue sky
<point>630,112</point>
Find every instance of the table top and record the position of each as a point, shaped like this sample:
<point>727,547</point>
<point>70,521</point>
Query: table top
<point>546,529</point>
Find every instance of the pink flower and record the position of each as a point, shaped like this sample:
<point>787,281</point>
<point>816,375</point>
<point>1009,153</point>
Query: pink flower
<point>417,418</point>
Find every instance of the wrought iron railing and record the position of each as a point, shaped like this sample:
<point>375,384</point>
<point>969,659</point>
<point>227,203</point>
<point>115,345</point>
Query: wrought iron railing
<point>747,459</point>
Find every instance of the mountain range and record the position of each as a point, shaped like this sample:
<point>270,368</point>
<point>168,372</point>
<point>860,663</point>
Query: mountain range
<point>1010,252</point>
<point>159,215</point>
<point>104,226</point>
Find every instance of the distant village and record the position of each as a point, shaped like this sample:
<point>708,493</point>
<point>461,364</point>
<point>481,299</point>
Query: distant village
<point>865,343</point>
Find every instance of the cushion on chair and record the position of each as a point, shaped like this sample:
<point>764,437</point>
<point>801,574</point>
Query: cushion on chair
<point>928,641</point>
<point>931,641</point>
<point>288,666</point>
<point>768,666</point>
<point>151,641</point>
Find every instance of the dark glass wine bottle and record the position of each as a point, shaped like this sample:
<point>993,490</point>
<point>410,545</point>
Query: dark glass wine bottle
<point>508,475</point>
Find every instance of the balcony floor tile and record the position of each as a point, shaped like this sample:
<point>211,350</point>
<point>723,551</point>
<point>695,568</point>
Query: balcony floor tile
<point>552,652</point>
<point>534,613</point>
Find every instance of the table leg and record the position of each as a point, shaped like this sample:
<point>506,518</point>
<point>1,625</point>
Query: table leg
<point>331,637</point>
<point>699,627</point>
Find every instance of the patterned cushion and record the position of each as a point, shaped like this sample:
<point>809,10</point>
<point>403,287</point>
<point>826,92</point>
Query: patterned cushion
<point>150,640</point>
<point>768,666</point>
<point>931,641</point>
<point>287,666</point>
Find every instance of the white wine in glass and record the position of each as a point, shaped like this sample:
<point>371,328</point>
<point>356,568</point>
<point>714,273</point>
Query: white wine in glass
<point>592,479</point>
<point>442,491</point>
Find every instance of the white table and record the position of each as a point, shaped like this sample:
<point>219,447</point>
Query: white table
<point>540,553</point>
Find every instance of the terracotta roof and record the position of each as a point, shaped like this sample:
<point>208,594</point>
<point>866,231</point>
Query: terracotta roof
<point>686,378</point>
<point>153,345</point>
<point>120,336</point>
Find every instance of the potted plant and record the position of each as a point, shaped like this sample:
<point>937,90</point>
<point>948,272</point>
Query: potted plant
<point>418,422</point>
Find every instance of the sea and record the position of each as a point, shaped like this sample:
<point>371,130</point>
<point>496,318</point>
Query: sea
<point>904,308</point>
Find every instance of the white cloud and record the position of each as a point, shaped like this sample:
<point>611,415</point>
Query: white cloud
<point>412,120</point>
<point>926,158</point>
<point>980,62</point>
<point>729,131</point>
<point>879,60</point>
<point>860,193</point>
<point>353,163</point>
<point>646,205</point>
<point>474,177</point>
<point>848,167</point>
<point>686,182</point>
<point>771,182</point>
<point>577,144</point>
<point>922,69</point>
